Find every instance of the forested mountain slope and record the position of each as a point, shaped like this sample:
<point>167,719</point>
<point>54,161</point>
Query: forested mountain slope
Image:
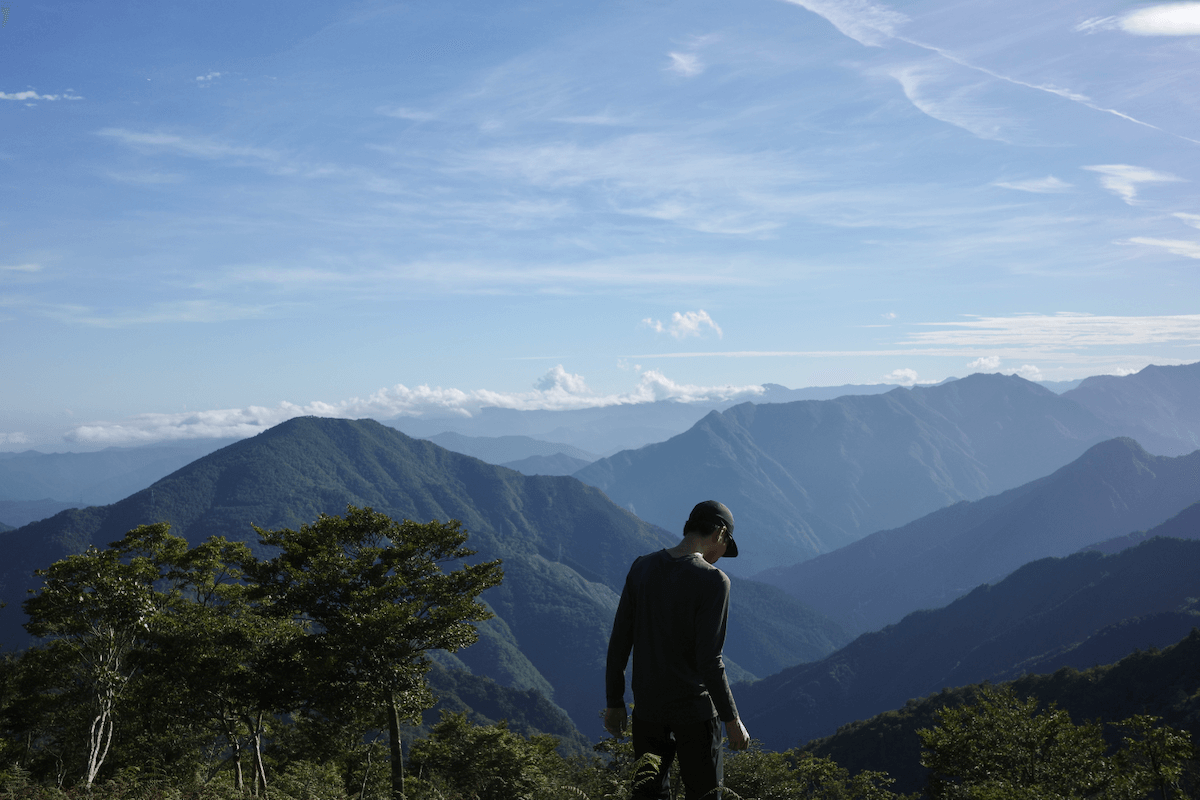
<point>808,477</point>
<point>565,546</point>
<point>1037,615</point>
<point>1164,684</point>
<point>1114,488</point>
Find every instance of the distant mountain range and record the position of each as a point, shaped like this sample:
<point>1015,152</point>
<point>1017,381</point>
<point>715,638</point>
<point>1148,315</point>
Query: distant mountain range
<point>1050,613</point>
<point>608,429</point>
<point>1115,486</point>
<point>97,478</point>
<point>565,547</point>
<point>805,478</point>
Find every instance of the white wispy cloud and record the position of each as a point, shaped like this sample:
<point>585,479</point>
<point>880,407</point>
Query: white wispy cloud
<point>193,311</point>
<point>15,437</point>
<point>557,390</point>
<point>689,323</point>
<point>407,113</point>
<point>1046,185</point>
<point>1188,219</point>
<point>1060,331</point>
<point>1170,19</point>
<point>1179,247</point>
<point>1097,24</point>
<point>203,79</point>
<point>1123,179</point>
<point>686,64</point>
<point>954,102</point>
<point>21,268</point>
<point>30,94</point>
<point>869,24</point>
<point>195,146</point>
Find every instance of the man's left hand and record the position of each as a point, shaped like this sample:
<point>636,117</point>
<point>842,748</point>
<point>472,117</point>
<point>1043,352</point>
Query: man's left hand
<point>614,720</point>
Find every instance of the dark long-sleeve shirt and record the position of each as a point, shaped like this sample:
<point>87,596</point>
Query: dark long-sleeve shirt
<point>672,615</point>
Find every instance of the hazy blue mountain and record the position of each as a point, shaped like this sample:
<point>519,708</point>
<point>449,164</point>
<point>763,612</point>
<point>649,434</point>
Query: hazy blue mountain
<point>807,477</point>
<point>22,512</point>
<point>1033,616</point>
<point>1184,525</point>
<point>557,464</point>
<point>4,527</point>
<point>502,449</point>
<point>608,429</point>
<point>1164,684</point>
<point>566,548</point>
<point>1158,406</point>
<point>96,478</point>
<point>1115,486</point>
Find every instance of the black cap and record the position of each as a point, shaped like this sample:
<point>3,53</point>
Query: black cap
<point>710,512</point>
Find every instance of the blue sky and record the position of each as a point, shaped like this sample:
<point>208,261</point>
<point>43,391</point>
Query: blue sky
<point>220,215</point>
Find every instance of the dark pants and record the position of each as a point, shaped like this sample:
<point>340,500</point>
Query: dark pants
<point>701,762</point>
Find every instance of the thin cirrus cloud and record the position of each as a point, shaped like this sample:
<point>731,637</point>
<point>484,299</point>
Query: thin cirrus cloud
<point>1179,247</point>
<point>556,390</point>
<point>869,24</point>
<point>687,324</point>
<point>1046,185</point>
<point>1059,331</point>
<point>1123,180</point>
<point>688,65</point>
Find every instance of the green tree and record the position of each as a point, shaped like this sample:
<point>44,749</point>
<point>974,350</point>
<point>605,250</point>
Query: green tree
<point>1003,747</point>
<point>94,610</point>
<point>377,595</point>
<point>1152,760</point>
<point>217,660</point>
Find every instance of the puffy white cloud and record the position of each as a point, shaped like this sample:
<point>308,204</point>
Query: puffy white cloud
<point>556,390</point>
<point>1170,19</point>
<point>206,78</point>
<point>1029,372</point>
<point>15,437</point>
<point>558,379</point>
<point>889,315</point>
<point>904,377</point>
<point>1123,179</point>
<point>686,64</point>
<point>689,323</point>
<point>985,362</point>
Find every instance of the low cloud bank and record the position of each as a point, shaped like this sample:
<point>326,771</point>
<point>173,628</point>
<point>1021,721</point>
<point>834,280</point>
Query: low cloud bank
<point>557,390</point>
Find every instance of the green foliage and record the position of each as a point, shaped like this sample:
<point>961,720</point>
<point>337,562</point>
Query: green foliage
<point>1003,745</point>
<point>1003,748</point>
<point>486,762</point>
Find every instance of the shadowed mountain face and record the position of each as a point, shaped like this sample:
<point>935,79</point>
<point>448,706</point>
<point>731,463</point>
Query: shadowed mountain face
<point>565,546</point>
<point>807,477</point>
<point>1116,486</point>
<point>1035,616</point>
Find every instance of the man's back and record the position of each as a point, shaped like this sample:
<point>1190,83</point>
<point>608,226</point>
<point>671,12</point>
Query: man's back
<point>672,614</point>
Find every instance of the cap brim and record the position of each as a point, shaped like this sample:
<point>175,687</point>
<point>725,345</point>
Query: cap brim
<point>730,548</point>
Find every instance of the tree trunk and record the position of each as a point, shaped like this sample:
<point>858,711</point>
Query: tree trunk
<point>394,749</point>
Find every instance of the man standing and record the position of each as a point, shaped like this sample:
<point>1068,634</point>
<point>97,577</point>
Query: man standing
<point>672,615</point>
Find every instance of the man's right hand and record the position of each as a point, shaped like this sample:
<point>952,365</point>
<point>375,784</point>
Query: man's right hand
<point>739,739</point>
<point>614,720</point>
